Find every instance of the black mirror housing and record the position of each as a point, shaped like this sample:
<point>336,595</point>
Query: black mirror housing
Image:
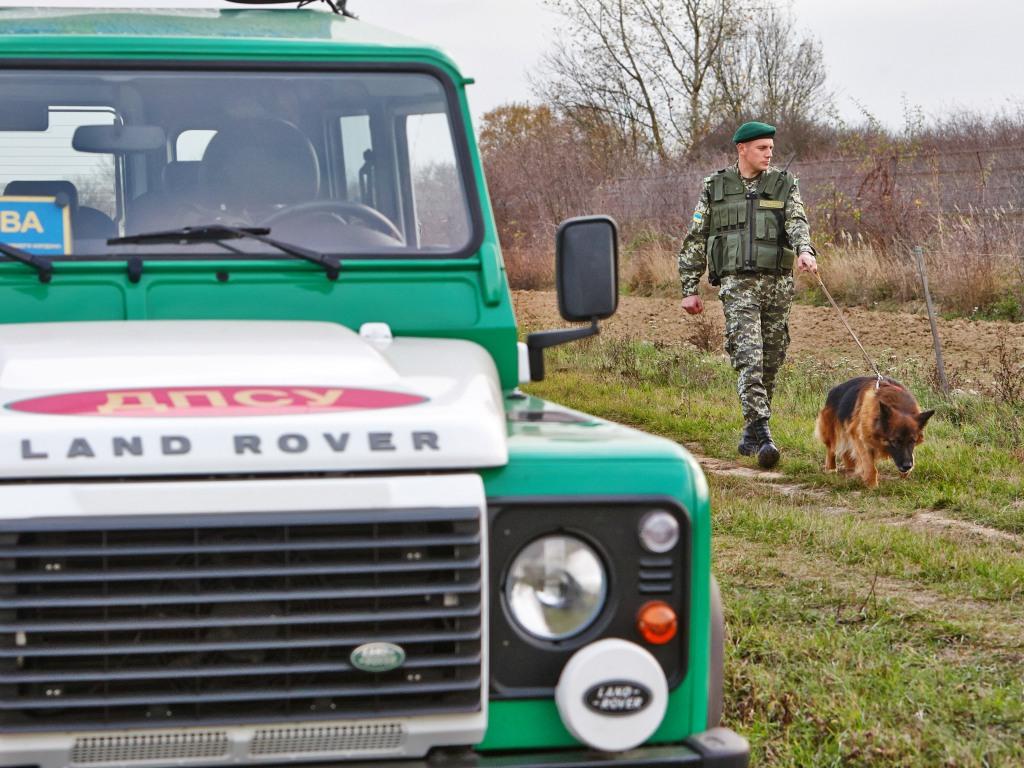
<point>587,276</point>
<point>587,268</point>
<point>114,139</point>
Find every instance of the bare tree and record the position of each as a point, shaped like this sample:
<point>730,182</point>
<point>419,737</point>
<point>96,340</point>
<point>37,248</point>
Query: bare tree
<point>646,65</point>
<point>790,72</point>
<point>689,38</point>
<point>667,72</point>
<point>603,68</point>
<point>771,73</point>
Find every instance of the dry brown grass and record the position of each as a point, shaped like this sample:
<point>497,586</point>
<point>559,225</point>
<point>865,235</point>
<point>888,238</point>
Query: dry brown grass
<point>530,269</point>
<point>962,278</point>
<point>856,272</point>
<point>651,270</point>
<point>705,335</point>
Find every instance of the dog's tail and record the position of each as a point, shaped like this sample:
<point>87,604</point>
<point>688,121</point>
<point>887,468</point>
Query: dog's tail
<point>819,426</point>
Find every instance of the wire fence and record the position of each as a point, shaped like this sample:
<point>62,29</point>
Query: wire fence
<point>961,182</point>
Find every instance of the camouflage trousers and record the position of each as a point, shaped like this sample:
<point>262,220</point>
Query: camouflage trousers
<point>756,335</point>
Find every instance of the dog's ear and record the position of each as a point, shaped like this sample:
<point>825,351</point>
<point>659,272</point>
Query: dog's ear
<point>884,412</point>
<point>923,416</point>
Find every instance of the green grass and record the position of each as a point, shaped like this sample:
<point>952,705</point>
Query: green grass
<point>857,634</point>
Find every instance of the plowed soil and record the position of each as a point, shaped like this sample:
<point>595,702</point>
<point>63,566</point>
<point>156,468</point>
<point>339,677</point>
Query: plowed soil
<point>968,346</point>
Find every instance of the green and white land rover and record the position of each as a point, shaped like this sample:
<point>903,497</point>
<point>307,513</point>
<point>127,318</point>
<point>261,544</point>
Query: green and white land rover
<point>269,491</point>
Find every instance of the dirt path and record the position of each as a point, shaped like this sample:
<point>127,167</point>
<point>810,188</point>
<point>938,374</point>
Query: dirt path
<point>966,344</point>
<point>924,520</point>
<point>802,566</point>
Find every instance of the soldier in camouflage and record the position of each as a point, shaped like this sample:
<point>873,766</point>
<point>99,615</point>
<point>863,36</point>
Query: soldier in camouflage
<point>748,229</point>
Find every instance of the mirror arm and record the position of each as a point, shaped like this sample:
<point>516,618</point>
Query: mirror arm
<point>537,342</point>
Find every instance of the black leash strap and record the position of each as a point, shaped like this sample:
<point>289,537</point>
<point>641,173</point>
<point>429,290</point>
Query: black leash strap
<point>871,363</point>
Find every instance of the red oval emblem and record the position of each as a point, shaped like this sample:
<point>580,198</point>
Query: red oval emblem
<point>175,402</point>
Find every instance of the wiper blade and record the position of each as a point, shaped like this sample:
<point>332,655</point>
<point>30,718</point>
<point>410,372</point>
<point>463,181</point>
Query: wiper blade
<point>217,233</point>
<point>42,266</point>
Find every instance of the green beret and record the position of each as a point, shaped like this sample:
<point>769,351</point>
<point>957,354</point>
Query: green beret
<point>751,131</point>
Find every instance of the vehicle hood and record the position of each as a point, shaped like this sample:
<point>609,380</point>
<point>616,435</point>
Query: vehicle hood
<point>241,397</point>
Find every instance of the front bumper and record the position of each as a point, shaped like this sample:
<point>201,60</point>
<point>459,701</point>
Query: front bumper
<point>716,748</point>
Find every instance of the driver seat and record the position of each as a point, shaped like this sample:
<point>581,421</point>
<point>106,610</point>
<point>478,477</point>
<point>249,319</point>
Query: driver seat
<point>255,166</point>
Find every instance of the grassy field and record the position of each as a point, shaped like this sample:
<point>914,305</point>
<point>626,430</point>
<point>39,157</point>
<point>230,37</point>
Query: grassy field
<point>880,627</point>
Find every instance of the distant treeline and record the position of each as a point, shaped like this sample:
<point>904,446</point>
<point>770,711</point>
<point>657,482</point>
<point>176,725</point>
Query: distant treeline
<point>953,186</point>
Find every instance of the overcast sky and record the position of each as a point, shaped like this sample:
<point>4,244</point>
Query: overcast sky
<point>932,54</point>
<point>935,55</point>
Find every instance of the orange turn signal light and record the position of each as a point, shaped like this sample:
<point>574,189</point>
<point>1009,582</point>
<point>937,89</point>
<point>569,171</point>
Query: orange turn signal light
<point>657,622</point>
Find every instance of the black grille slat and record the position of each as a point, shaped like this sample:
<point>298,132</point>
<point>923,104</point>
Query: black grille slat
<point>335,641</point>
<point>67,702</point>
<point>241,713</point>
<point>661,574</point>
<point>297,546</point>
<point>153,673</point>
<point>67,575</point>
<point>242,621</point>
<point>231,597</point>
<point>222,618</point>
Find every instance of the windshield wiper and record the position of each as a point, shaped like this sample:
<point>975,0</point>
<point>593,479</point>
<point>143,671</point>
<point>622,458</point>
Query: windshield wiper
<point>217,233</point>
<point>42,266</point>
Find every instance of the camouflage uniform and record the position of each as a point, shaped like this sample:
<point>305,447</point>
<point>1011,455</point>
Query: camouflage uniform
<point>756,306</point>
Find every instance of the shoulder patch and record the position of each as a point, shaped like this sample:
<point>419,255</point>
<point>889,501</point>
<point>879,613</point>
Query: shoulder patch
<point>698,217</point>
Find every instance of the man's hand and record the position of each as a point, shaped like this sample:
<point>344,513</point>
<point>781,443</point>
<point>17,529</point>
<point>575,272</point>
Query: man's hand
<point>807,263</point>
<point>693,305</point>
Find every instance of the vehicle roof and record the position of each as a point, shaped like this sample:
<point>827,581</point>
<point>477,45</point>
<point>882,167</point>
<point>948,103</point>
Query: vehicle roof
<point>125,32</point>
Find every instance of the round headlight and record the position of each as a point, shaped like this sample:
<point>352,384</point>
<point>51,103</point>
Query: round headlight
<point>659,532</point>
<point>556,587</point>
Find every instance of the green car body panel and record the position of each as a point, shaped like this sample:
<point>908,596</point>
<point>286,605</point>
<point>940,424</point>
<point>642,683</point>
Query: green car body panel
<point>463,298</point>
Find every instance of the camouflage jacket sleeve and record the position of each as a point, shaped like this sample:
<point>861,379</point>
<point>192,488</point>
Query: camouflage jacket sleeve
<point>693,252</point>
<point>797,228</point>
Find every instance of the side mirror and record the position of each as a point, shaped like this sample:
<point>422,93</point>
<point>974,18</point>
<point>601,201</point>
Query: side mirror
<point>587,278</point>
<point>587,268</point>
<point>114,139</point>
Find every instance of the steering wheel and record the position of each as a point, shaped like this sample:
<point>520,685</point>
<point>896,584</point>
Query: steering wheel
<point>374,218</point>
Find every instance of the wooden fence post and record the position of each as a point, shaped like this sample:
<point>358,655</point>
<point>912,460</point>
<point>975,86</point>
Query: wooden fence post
<point>940,367</point>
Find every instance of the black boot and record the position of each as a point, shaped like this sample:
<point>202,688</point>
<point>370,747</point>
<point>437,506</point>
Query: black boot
<point>767,452</point>
<point>748,443</point>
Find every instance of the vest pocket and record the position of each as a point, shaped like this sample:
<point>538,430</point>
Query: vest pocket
<point>769,259</point>
<point>714,254</point>
<point>767,256</point>
<point>766,226</point>
<point>788,259</point>
<point>725,253</point>
<point>732,256</point>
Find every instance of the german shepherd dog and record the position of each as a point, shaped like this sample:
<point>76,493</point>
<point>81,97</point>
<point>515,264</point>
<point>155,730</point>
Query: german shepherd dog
<point>861,424</point>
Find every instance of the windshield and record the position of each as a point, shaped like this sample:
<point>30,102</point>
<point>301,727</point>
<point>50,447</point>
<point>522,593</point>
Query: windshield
<point>347,163</point>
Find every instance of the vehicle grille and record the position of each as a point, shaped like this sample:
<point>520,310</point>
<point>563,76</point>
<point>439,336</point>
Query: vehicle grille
<point>164,746</point>
<point>222,618</point>
<point>354,738</point>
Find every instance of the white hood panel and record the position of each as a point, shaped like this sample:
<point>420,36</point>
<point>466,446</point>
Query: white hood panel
<point>197,397</point>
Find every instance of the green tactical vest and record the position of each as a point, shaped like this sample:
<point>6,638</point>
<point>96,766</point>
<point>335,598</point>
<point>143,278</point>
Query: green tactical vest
<point>748,232</point>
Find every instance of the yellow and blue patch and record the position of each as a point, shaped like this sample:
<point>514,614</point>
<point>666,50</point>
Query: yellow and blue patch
<point>35,224</point>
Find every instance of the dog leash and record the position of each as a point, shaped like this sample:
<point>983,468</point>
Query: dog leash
<point>871,363</point>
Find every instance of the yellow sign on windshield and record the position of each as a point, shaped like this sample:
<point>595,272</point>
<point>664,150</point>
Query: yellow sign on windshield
<point>35,224</point>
